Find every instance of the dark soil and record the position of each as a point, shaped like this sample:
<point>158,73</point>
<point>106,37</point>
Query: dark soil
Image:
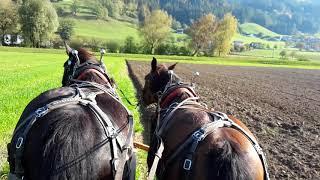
<point>280,106</point>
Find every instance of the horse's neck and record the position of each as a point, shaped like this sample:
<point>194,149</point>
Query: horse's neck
<point>176,96</point>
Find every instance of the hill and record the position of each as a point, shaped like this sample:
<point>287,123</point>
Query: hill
<point>252,28</point>
<point>111,30</point>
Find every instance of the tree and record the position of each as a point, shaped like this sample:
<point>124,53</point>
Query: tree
<point>176,24</point>
<point>293,54</point>
<point>9,17</point>
<point>155,29</point>
<point>283,54</point>
<point>39,21</point>
<point>129,45</point>
<point>201,32</point>
<point>66,29</point>
<point>74,7</point>
<point>222,38</point>
<point>101,11</point>
<point>143,12</point>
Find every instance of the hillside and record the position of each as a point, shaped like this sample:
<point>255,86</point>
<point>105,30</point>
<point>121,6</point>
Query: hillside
<point>252,28</point>
<point>111,30</point>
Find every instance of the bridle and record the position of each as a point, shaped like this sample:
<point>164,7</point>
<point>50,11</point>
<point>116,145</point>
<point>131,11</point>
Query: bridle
<point>164,116</point>
<point>76,71</point>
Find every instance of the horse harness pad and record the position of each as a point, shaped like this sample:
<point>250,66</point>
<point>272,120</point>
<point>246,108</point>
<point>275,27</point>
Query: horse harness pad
<point>86,93</point>
<point>220,120</point>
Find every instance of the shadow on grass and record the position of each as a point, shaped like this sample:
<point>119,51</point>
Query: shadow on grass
<point>145,112</point>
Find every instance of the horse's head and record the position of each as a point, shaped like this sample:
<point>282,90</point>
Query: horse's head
<point>155,81</point>
<point>83,65</point>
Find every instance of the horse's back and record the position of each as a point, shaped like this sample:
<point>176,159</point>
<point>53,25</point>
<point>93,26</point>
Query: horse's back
<point>223,151</point>
<point>63,143</point>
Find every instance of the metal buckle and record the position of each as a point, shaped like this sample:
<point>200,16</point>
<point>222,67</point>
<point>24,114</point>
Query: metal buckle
<point>111,131</point>
<point>187,164</point>
<point>198,135</point>
<point>19,143</point>
<point>41,111</point>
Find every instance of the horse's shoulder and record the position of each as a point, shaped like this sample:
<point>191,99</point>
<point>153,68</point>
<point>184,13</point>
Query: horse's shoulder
<point>47,97</point>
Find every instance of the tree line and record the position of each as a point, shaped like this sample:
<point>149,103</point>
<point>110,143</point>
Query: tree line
<point>37,20</point>
<point>209,35</point>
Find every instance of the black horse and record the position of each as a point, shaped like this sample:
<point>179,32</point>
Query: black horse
<point>79,131</point>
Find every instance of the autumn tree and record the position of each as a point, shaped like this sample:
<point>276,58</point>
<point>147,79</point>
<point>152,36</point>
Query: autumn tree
<point>201,32</point>
<point>155,29</point>
<point>222,38</point>
<point>39,21</point>
<point>9,17</point>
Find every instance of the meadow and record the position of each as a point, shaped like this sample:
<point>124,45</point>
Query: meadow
<point>253,28</point>
<point>26,72</point>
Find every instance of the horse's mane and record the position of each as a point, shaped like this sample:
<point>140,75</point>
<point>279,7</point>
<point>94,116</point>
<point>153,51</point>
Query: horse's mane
<point>227,162</point>
<point>85,55</point>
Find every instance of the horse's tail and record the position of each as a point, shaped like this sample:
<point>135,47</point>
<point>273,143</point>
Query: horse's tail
<point>227,162</point>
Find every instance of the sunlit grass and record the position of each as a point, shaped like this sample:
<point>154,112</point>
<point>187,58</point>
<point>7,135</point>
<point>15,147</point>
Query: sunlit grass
<point>253,28</point>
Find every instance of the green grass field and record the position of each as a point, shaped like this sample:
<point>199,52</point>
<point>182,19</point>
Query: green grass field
<point>262,53</point>
<point>253,28</point>
<point>111,30</point>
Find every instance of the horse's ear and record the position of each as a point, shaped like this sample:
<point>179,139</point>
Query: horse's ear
<point>154,64</point>
<point>172,66</point>
<point>68,48</point>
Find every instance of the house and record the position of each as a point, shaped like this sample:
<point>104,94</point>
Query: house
<point>238,44</point>
<point>256,45</point>
<point>12,40</point>
<point>180,31</point>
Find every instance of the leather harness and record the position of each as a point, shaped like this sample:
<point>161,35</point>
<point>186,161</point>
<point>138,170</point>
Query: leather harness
<point>220,120</point>
<point>86,93</point>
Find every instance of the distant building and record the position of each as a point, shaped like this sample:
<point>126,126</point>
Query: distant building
<point>256,45</point>
<point>180,31</point>
<point>238,44</point>
<point>12,40</point>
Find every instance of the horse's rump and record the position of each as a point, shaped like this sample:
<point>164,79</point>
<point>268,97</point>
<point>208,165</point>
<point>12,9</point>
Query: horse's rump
<point>69,142</point>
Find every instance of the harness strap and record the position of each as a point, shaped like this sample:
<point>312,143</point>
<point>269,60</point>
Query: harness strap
<point>125,150</point>
<point>161,128</point>
<point>156,159</point>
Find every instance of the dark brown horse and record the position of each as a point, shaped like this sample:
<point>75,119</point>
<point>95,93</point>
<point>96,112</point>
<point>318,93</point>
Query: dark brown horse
<point>192,142</point>
<point>80,131</point>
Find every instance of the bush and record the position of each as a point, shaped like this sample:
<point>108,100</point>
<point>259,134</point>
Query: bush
<point>302,58</point>
<point>112,46</point>
<point>96,44</point>
<point>129,46</point>
<point>184,51</point>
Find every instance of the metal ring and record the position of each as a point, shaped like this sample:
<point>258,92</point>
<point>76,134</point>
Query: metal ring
<point>19,143</point>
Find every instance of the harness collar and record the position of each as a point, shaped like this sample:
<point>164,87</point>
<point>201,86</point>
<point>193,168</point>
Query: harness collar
<point>93,70</point>
<point>174,93</point>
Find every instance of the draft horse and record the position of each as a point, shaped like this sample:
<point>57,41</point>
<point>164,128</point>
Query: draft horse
<point>192,142</point>
<point>78,131</point>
